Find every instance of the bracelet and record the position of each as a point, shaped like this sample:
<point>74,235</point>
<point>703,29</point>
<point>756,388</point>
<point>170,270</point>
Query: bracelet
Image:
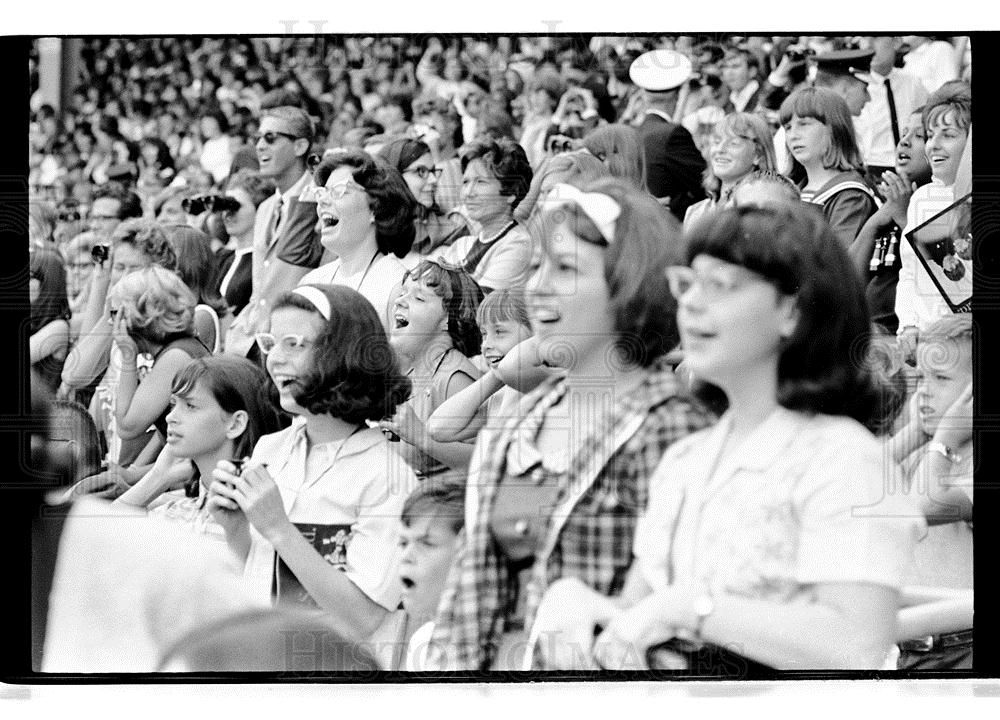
<point>944,451</point>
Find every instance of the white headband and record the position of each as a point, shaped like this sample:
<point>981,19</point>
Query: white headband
<point>317,297</point>
<point>602,210</point>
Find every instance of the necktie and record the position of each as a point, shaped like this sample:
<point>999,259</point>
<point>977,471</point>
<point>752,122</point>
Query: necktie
<point>892,112</point>
<point>272,227</point>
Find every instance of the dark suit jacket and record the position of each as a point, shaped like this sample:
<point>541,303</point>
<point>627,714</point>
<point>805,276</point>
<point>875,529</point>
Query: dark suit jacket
<point>674,167</point>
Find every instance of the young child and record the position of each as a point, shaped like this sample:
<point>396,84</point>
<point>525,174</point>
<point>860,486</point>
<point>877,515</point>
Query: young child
<point>936,451</point>
<point>432,518</point>
<point>503,321</point>
<point>434,334</point>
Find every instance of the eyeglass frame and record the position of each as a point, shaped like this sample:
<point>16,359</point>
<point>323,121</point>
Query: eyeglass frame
<point>721,289</point>
<point>322,193</point>
<point>263,338</point>
<point>423,171</point>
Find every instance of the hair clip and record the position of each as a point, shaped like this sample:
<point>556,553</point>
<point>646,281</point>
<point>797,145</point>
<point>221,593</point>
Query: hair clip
<point>602,210</point>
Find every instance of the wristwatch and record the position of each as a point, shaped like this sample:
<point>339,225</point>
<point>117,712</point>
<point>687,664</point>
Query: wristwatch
<point>945,451</point>
<point>703,606</point>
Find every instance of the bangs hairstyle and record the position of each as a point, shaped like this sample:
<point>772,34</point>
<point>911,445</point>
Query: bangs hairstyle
<point>953,98</point>
<point>461,297</point>
<point>389,197</point>
<point>504,305</point>
<point>355,374</point>
<point>829,108</point>
<point>647,239</point>
<point>748,126</point>
<point>442,500</point>
<point>236,384</point>
<point>822,367</point>
<point>506,161</point>
<point>156,304</point>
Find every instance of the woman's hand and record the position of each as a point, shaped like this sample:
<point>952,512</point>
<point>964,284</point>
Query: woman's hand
<point>630,633</point>
<point>955,427</point>
<point>406,425</point>
<point>122,339</point>
<point>109,484</point>
<point>565,624</point>
<point>896,189</point>
<point>255,493</point>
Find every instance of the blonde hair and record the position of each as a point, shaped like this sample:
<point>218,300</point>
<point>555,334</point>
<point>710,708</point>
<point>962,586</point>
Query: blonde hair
<point>156,304</point>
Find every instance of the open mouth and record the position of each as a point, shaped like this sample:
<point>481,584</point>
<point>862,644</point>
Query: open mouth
<point>493,359</point>
<point>400,321</point>
<point>408,583</point>
<point>328,220</point>
<point>285,382</point>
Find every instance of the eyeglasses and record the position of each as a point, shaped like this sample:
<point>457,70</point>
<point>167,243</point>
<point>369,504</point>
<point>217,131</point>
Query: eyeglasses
<point>271,137</point>
<point>92,217</point>
<point>423,171</point>
<point>290,344</point>
<point>714,284</point>
<point>322,193</point>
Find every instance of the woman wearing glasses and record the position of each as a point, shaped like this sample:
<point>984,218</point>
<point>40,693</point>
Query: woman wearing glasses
<point>313,514</point>
<point>366,216</point>
<point>739,145</point>
<point>495,178</point>
<point>770,534</point>
<point>587,439</point>
<point>414,161</point>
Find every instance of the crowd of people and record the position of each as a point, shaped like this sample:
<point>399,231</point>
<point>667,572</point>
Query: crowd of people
<point>522,353</point>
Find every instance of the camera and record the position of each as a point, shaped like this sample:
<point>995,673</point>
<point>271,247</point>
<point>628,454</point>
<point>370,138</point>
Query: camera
<point>210,203</point>
<point>100,252</point>
<point>238,463</point>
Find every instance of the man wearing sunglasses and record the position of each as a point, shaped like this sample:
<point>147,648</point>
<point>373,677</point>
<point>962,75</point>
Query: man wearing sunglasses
<point>285,237</point>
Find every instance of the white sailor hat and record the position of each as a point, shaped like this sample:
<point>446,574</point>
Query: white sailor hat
<point>660,70</point>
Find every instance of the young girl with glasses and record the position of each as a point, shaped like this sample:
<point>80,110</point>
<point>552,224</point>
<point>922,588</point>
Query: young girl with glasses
<point>771,533</point>
<point>312,515</point>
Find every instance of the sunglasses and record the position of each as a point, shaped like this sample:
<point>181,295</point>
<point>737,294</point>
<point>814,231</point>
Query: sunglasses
<point>422,171</point>
<point>272,137</point>
<point>290,344</point>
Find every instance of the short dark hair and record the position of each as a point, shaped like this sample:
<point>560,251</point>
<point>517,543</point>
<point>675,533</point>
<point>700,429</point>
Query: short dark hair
<point>438,500</point>
<point>257,186</point>
<point>236,384</point>
<point>460,294</point>
<point>822,367</point>
<point>647,238</point>
<point>129,204</point>
<point>392,203</point>
<point>751,60</point>
<point>355,376</point>
<point>507,161</point>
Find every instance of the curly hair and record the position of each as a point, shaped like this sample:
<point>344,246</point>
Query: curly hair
<point>506,161</point>
<point>392,203</point>
<point>461,297</point>
<point>148,238</point>
<point>355,375</point>
<point>258,187</point>
<point>156,304</point>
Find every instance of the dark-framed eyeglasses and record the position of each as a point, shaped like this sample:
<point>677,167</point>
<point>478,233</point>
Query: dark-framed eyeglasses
<point>423,171</point>
<point>272,136</point>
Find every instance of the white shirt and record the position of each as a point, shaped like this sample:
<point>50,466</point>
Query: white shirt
<point>359,482</point>
<point>804,500</point>
<point>918,301</point>
<point>504,264</point>
<point>874,124</point>
<point>740,98</point>
<point>379,283</point>
<point>934,63</point>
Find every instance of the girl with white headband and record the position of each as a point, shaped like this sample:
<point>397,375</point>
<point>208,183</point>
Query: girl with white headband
<point>587,440</point>
<point>314,512</point>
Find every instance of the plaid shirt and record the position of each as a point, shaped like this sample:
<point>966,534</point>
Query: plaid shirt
<point>589,534</point>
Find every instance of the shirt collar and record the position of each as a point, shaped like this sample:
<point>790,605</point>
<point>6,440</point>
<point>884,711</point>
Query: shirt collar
<point>295,190</point>
<point>359,442</point>
<point>659,113</point>
<point>743,96</point>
